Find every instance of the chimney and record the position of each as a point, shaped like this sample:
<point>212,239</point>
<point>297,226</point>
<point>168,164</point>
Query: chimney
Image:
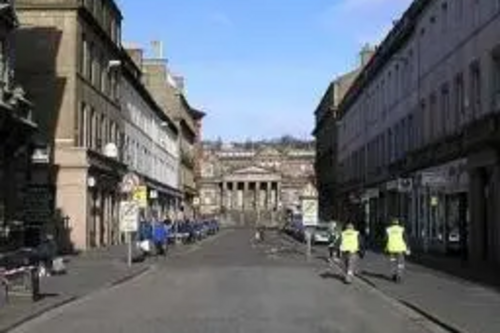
<point>157,47</point>
<point>179,83</point>
<point>366,54</point>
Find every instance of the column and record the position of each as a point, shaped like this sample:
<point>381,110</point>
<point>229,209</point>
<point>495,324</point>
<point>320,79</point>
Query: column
<point>245,196</point>
<point>268,195</point>
<point>278,195</point>
<point>234,204</point>
<point>222,194</point>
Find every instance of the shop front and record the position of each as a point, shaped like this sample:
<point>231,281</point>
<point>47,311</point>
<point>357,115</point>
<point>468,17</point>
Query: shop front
<point>439,209</point>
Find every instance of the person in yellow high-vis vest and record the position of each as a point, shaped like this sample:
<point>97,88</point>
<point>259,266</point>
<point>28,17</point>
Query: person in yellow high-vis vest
<point>350,244</point>
<point>396,247</point>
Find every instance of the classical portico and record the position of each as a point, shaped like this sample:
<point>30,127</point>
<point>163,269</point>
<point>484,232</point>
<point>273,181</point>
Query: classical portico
<point>251,189</point>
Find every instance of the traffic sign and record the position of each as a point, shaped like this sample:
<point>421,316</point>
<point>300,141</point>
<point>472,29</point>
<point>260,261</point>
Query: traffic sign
<point>141,196</point>
<point>129,182</point>
<point>129,216</point>
<point>309,212</point>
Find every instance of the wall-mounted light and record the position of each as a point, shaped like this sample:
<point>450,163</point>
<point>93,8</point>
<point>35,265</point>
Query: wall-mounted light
<point>114,64</point>
<point>91,182</point>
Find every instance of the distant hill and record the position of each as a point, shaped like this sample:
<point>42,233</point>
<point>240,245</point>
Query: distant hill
<point>287,141</point>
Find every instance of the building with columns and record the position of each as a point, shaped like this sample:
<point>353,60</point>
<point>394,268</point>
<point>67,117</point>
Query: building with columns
<point>419,131</point>
<point>248,185</point>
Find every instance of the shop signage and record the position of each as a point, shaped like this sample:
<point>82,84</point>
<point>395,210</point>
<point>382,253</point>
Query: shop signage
<point>129,216</point>
<point>140,196</point>
<point>38,202</point>
<point>434,179</point>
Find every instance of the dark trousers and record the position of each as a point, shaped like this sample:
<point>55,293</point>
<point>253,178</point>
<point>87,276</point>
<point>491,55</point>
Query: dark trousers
<point>160,248</point>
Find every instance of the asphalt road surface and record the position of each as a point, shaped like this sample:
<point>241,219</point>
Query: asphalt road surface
<point>230,285</point>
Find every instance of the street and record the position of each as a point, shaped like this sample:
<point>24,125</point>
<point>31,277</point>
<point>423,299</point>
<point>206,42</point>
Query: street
<point>229,284</point>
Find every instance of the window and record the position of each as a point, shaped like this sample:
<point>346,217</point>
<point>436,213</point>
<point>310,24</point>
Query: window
<point>432,119</point>
<point>444,17</point>
<point>423,135</point>
<point>459,109</point>
<point>94,75</point>
<point>459,9</point>
<point>495,86</point>
<point>446,116</point>
<point>475,89</point>
<point>83,55</point>
<point>104,75</point>
<point>82,126</point>
<point>91,129</point>
<point>89,67</point>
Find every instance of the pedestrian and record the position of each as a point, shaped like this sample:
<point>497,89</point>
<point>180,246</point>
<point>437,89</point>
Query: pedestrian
<point>350,244</point>
<point>159,237</point>
<point>396,247</point>
<point>333,239</point>
<point>145,237</point>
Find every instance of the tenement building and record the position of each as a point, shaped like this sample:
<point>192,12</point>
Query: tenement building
<point>419,130</point>
<point>248,185</point>
<point>16,141</point>
<point>325,131</point>
<point>168,91</point>
<point>151,143</point>
<point>97,119</point>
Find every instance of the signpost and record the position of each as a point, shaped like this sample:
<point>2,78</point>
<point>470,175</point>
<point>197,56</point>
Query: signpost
<point>129,223</point>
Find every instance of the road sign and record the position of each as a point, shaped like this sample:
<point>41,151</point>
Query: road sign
<point>141,196</point>
<point>309,212</point>
<point>129,216</point>
<point>129,182</point>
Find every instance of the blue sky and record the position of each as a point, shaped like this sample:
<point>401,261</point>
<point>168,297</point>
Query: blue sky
<point>258,67</point>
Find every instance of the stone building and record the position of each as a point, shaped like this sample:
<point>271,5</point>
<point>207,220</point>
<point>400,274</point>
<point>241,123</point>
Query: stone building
<point>168,90</point>
<point>419,134</point>
<point>151,143</point>
<point>325,131</point>
<point>16,140</point>
<point>245,185</point>
<point>76,88</point>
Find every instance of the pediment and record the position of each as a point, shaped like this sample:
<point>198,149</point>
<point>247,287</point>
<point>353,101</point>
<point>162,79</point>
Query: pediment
<point>252,170</point>
<point>253,173</point>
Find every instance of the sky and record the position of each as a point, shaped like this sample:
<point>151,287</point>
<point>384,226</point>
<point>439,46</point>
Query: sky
<point>258,68</point>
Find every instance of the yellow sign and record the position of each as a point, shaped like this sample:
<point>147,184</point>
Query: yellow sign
<point>141,196</point>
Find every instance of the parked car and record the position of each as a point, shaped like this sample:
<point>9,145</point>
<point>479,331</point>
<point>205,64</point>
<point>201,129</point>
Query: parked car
<point>321,234</point>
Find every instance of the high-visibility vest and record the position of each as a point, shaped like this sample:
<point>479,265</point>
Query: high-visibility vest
<point>350,241</point>
<point>395,239</point>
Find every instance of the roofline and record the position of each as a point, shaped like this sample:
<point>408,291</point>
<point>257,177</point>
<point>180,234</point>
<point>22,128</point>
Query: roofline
<point>393,42</point>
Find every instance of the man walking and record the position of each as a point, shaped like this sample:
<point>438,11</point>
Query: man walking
<point>350,243</point>
<point>159,237</point>
<point>396,247</point>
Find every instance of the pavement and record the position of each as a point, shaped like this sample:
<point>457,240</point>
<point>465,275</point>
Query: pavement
<point>232,284</point>
<point>456,303</point>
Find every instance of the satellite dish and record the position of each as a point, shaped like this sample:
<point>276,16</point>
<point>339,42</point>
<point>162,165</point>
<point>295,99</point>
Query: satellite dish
<point>111,150</point>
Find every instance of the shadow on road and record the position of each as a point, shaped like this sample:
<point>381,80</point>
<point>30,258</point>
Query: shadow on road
<point>332,275</point>
<point>375,275</point>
